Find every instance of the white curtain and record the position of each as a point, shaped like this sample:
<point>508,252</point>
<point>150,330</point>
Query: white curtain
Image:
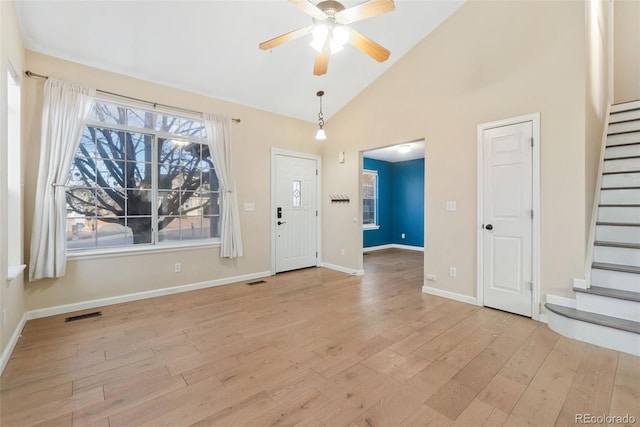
<point>65,110</point>
<point>219,138</point>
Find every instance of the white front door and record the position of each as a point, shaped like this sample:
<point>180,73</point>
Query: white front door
<point>296,212</point>
<point>507,217</point>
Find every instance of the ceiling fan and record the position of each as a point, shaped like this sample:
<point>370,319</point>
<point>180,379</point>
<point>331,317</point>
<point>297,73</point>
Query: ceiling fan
<point>331,32</point>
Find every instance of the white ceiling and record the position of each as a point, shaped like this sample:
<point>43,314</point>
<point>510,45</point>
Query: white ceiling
<point>393,154</point>
<point>211,47</point>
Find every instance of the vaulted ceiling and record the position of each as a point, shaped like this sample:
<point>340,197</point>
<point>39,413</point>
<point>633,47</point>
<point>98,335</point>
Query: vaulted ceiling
<point>211,47</point>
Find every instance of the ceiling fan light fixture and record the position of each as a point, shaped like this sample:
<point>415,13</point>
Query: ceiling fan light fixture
<point>320,33</point>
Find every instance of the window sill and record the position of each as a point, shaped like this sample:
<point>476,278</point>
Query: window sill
<point>15,271</point>
<point>146,250</point>
<point>370,227</point>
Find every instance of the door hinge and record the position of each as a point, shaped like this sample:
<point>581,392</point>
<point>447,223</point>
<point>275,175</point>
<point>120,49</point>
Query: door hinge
<point>316,254</point>
<point>316,172</point>
<point>531,141</point>
<point>530,285</point>
<point>531,213</point>
<point>316,213</point>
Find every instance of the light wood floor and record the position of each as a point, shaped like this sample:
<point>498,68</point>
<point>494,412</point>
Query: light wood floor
<point>312,347</point>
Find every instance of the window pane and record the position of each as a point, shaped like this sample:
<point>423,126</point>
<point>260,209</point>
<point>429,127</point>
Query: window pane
<point>110,202</point>
<point>169,228</point>
<point>87,147</point>
<point>109,173</point>
<point>81,201</point>
<point>138,175</point>
<point>111,232</point>
<point>140,118</point>
<point>110,144</point>
<point>212,207</point>
<point>138,230</point>
<point>211,226</point>
<point>138,147</point>
<point>297,194</point>
<point>108,113</point>
<point>138,202</point>
<point>369,196</point>
<point>191,227</point>
<point>81,232</point>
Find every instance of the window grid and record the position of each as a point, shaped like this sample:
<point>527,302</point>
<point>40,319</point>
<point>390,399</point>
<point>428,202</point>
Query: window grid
<point>138,184</point>
<point>369,197</point>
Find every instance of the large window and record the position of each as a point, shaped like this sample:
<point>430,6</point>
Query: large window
<point>141,178</point>
<point>369,198</point>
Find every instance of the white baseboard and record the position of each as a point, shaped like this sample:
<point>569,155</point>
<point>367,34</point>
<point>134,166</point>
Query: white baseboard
<point>450,295</point>
<point>342,269</point>
<point>6,354</point>
<point>84,305</point>
<point>393,246</point>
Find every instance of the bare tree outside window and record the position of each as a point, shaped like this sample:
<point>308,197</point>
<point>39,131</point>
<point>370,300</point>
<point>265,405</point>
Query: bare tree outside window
<point>141,177</point>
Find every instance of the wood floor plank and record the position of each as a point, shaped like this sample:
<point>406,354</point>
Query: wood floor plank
<point>313,347</point>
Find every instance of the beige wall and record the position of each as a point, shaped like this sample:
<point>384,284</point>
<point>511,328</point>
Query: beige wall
<point>112,276</point>
<point>626,50</point>
<point>488,61</point>
<point>11,294</point>
<point>597,92</point>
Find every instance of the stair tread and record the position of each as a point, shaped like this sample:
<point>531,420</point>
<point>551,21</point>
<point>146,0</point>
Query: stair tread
<point>621,158</point>
<point>596,319</point>
<point>622,132</point>
<point>622,144</point>
<point>616,267</point>
<point>615,122</point>
<point>621,188</point>
<point>619,205</point>
<point>611,293</point>
<point>620,172</point>
<point>619,224</point>
<point>617,244</point>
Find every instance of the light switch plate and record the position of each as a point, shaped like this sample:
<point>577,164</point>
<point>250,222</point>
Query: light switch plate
<point>248,206</point>
<point>451,206</point>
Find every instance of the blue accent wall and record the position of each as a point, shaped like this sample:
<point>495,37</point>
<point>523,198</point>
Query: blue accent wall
<point>400,203</point>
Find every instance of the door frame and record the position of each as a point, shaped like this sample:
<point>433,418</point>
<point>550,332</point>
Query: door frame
<point>534,118</point>
<point>275,152</point>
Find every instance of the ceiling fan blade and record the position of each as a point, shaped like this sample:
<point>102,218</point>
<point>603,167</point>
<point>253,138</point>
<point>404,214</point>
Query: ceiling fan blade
<point>270,44</point>
<point>309,9</point>
<point>364,11</point>
<point>322,63</point>
<point>368,46</point>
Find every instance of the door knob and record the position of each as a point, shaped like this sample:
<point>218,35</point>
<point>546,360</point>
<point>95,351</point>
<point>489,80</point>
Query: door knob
<point>489,227</point>
<point>281,222</point>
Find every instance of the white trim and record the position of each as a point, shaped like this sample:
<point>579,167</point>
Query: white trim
<point>11,345</point>
<point>562,301</point>
<point>366,227</point>
<point>68,308</point>
<point>544,318</point>
<point>534,118</point>
<point>393,246</point>
<point>342,269</point>
<point>610,54</point>
<point>596,203</point>
<point>450,295</point>
<point>318,160</point>
<point>14,271</point>
<point>127,251</point>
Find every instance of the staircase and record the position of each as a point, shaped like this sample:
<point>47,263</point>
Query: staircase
<point>606,312</point>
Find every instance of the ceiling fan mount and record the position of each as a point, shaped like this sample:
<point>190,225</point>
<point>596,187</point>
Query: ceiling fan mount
<point>331,31</point>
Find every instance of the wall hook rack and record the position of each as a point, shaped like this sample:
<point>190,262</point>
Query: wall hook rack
<point>339,198</point>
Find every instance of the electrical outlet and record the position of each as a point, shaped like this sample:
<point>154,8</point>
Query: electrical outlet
<point>452,271</point>
<point>178,267</point>
<point>342,252</point>
<point>402,235</point>
<point>430,277</point>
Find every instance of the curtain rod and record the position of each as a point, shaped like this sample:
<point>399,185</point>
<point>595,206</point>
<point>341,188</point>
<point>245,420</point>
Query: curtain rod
<point>31,74</point>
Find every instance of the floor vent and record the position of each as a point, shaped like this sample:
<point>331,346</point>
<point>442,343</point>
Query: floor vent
<point>257,282</point>
<point>83,316</point>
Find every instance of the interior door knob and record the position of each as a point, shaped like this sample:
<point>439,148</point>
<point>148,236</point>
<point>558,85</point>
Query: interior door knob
<point>281,222</point>
<point>489,227</point>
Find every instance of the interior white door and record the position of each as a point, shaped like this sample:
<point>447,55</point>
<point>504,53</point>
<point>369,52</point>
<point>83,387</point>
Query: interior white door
<point>507,216</point>
<point>296,215</point>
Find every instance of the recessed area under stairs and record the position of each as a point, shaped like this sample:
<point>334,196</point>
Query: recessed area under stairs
<point>607,311</point>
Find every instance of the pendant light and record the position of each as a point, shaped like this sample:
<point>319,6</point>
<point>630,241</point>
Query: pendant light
<point>320,134</point>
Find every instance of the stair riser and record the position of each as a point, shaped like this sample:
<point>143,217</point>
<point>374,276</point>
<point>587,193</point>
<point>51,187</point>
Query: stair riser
<point>614,197</point>
<point>622,151</point>
<point>621,165</point>
<point>625,138</point>
<point>625,106</point>
<point>624,127</point>
<point>624,116</point>
<point>615,280</point>
<point>610,233</point>
<point>621,180</point>
<point>617,214</point>
<point>611,255</point>
<point>614,307</point>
